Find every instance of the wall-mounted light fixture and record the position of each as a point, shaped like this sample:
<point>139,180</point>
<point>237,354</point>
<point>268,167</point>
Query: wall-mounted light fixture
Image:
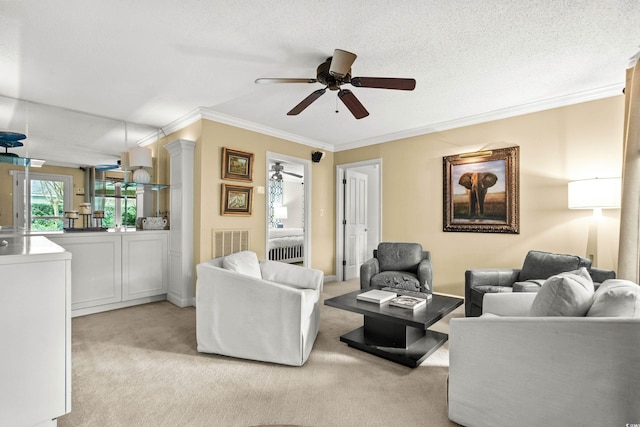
<point>485,153</point>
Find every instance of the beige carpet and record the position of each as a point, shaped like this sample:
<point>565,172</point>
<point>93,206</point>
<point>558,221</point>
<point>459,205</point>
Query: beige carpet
<point>139,367</point>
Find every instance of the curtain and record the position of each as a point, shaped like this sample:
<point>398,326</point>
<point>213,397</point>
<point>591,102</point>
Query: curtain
<point>275,199</point>
<point>629,249</point>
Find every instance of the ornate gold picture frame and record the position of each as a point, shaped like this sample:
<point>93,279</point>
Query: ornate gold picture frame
<point>237,165</point>
<point>482,191</point>
<point>237,200</point>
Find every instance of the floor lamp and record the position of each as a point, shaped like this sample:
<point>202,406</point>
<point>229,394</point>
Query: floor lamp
<point>596,194</point>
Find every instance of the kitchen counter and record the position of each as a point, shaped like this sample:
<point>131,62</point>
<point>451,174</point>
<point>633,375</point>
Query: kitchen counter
<point>35,326</point>
<point>35,247</point>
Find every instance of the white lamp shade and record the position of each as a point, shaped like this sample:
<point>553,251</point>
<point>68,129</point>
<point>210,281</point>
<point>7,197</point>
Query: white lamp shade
<point>598,193</point>
<point>280,212</point>
<point>140,156</point>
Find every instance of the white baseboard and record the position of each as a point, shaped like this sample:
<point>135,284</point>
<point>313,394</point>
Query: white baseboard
<point>116,305</point>
<point>331,278</point>
<point>180,302</point>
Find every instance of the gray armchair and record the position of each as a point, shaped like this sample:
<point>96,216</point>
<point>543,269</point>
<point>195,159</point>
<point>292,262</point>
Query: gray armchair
<point>537,267</point>
<point>400,265</point>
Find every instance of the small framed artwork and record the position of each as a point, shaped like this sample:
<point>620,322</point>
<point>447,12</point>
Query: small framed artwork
<point>237,200</point>
<point>482,191</point>
<point>237,165</point>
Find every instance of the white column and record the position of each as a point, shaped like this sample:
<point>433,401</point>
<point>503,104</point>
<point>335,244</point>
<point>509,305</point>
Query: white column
<point>181,283</point>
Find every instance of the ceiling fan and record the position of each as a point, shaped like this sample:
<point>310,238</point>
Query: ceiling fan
<point>278,170</point>
<point>10,140</point>
<point>108,166</point>
<point>335,72</point>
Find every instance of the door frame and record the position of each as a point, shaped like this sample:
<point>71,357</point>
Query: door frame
<point>340,206</point>
<point>306,164</point>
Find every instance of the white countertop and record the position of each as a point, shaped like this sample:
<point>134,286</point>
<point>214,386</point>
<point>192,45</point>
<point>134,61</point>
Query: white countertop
<point>11,233</point>
<point>25,248</point>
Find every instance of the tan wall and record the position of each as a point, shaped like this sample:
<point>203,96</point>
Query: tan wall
<point>556,146</point>
<point>210,138</point>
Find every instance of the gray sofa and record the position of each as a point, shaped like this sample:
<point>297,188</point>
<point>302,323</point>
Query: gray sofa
<point>537,267</point>
<point>400,265</point>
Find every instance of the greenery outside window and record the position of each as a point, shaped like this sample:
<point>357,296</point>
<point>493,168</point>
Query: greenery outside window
<point>43,206</point>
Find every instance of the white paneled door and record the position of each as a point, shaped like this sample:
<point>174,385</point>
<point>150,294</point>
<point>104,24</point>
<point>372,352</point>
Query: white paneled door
<point>355,233</point>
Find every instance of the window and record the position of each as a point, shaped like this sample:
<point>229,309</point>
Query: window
<point>43,206</point>
<point>119,203</point>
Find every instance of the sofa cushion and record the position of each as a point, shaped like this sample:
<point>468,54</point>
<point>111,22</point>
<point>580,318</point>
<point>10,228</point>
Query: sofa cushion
<point>399,256</point>
<point>291,275</point>
<point>565,294</point>
<point>396,279</point>
<point>484,289</point>
<point>244,262</point>
<point>528,285</point>
<point>542,265</point>
<point>616,298</point>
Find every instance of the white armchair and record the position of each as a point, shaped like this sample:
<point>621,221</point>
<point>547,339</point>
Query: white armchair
<point>508,369</point>
<point>267,311</point>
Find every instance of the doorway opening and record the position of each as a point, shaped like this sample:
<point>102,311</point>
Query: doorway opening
<point>288,209</point>
<point>358,215</point>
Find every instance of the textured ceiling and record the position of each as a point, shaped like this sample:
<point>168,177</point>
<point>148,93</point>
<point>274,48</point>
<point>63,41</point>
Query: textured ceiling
<point>155,63</point>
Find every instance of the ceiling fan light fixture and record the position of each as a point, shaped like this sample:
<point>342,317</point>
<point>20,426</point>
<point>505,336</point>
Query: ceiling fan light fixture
<point>341,63</point>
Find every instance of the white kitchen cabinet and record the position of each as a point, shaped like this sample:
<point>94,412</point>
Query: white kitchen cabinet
<point>35,329</point>
<point>145,265</point>
<point>116,269</point>
<point>96,267</point>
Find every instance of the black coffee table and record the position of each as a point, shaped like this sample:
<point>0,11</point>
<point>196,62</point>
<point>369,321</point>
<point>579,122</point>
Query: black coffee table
<point>394,333</point>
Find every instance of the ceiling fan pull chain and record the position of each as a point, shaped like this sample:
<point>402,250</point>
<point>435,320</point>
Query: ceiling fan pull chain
<point>337,111</point>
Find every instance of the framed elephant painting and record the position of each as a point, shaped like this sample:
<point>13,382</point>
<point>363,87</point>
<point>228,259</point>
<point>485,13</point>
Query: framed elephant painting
<point>482,191</point>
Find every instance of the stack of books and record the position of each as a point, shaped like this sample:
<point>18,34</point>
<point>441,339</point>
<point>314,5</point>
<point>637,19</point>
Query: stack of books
<point>409,302</point>
<point>377,296</point>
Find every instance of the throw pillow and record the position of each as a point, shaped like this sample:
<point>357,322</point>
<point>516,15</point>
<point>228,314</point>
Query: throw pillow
<point>565,294</point>
<point>616,298</point>
<point>396,279</point>
<point>245,262</point>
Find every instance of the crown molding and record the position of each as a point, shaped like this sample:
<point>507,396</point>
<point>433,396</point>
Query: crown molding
<point>518,110</point>
<point>204,113</point>
<point>504,113</point>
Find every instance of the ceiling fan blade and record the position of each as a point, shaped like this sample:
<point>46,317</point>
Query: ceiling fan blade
<point>269,80</point>
<point>352,103</point>
<point>341,62</point>
<point>292,174</point>
<point>384,83</point>
<point>103,168</point>
<point>306,102</point>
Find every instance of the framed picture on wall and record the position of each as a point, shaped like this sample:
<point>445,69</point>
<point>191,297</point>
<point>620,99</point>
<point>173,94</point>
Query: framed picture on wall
<point>237,165</point>
<point>236,200</point>
<point>482,191</point>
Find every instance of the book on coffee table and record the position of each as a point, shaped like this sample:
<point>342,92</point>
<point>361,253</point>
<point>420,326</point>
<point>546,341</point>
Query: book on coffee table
<point>377,296</point>
<point>409,302</point>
